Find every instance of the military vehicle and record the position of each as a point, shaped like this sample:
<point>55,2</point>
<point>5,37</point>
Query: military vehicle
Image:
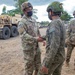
<point>8,26</point>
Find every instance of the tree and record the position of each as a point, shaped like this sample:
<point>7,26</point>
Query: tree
<point>18,8</point>
<point>65,16</point>
<point>18,4</point>
<point>34,13</point>
<point>44,23</point>
<point>4,10</point>
<point>12,12</point>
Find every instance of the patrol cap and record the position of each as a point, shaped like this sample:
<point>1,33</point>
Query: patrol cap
<point>26,5</point>
<point>55,7</point>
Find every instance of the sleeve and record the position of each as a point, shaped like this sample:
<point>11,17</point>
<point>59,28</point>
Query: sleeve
<point>51,50</point>
<point>22,29</point>
<point>44,37</point>
<point>68,30</point>
<point>38,31</point>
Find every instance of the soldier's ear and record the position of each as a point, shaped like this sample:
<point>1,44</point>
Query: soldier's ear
<point>50,12</point>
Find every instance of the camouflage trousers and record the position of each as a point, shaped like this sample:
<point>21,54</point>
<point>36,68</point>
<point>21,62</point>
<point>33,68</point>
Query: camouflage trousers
<point>55,69</point>
<point>32,60</point>
<point>70,47</point>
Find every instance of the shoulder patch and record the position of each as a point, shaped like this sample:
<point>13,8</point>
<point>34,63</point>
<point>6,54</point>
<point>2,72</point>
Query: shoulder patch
<point>51,30</point>
<point>20,25</point>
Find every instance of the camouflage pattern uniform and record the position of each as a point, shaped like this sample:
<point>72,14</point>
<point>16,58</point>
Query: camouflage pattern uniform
<point>70,40</point>
<point>28,30</point>
<point>55,51</point>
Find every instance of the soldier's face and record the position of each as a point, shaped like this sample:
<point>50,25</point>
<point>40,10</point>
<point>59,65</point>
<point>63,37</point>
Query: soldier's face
<point>29,9</point>
<point>50,15</point>
<point>29,12</point>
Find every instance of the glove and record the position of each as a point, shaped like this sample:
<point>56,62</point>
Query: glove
<point>44,70</point>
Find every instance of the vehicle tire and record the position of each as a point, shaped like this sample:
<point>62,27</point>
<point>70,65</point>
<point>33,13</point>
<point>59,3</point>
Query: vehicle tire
<point>6,33</point>
<point>14,31</point>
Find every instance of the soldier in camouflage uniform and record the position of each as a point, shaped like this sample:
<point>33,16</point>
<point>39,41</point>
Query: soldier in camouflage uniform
<point>29,33</point>
<point>70,41</point>
<point>55,39</point>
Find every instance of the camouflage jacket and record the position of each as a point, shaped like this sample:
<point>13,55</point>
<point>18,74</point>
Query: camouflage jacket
<point>55,39</point>
<point>28,27</point>
<point>70,33</point>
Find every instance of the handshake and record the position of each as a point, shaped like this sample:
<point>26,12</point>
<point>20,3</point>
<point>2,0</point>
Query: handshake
<point>40,39</point>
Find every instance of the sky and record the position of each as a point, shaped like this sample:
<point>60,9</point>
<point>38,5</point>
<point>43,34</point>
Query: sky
<point>41,6</point>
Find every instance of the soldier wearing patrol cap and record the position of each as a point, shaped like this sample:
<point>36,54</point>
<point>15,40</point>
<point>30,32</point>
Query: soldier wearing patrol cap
<point>70,40</point>
<point>55,40</point>
<point>24,8</point>
<point>29,33</point>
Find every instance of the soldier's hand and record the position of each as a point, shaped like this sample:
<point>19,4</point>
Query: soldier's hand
<point>39,39</point>
<point>44,70</point>
<point>44,43</point>
<point>67,41</point>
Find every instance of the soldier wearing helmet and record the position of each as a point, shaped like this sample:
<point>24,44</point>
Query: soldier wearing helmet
<point>55,40</point>
<point>29,32</point>
<point>55,8</point>
<point>70,40</point>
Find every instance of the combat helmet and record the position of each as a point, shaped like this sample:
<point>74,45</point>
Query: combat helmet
<point>55,7</point>
<point>26,5</point>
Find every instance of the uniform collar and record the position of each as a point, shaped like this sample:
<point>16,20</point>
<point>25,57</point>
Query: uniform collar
<point>56,18</point>
<point>29,19</point>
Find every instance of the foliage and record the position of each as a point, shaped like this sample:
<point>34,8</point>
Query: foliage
<point>65,16</point>
<point>13,12</point>
<point>18,9</point>
<point>44,23</point>
<point>4,10</point>
<point>18,4</point>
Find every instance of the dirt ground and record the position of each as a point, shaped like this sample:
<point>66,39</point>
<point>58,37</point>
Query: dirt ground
<point>11,57</point>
